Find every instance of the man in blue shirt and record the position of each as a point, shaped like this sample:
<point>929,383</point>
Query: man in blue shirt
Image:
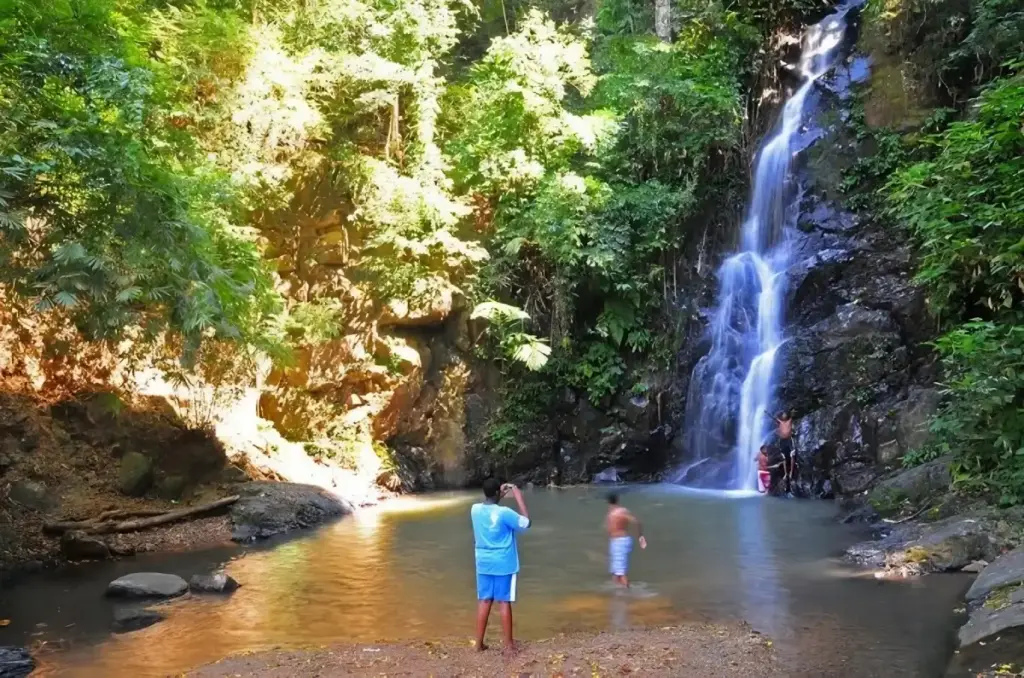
<point>497,560</point>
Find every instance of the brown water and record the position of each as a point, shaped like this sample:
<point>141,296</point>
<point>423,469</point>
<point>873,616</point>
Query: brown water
<point>405,571</point>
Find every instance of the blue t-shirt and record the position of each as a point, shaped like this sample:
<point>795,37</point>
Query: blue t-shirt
<point>494,531</point>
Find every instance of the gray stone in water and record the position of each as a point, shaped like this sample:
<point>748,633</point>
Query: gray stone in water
<point>609,475</point>
<point>217,582</point>
<point>15,662</point>
<point>135,475</point>
<point>135,618</point>
<point>975,567</point>
<point>1005,570</point>
<point>147,585</point>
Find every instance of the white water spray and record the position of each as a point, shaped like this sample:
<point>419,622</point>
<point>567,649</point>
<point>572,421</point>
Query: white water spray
<point>732,387</point>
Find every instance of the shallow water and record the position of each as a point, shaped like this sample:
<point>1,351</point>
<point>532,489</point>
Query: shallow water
<point>405,571</point>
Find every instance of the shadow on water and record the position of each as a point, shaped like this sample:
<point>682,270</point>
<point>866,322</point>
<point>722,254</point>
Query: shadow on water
<point>405,572</point>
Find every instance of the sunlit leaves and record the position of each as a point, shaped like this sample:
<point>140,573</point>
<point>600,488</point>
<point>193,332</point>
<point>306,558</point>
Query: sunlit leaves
<point>533,353</point>
<point>495,310</point>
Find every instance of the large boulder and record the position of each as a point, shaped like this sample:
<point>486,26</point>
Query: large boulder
<point>994,634</point>
<point>266,509</point>
<point>135,475</point>
<point>910,487</point>
<point>15,662</point>
<point>77,545</point>
<point>31,495</point>
<point>1006,570</point>
<point>147,585</point>
<point>943,546</point>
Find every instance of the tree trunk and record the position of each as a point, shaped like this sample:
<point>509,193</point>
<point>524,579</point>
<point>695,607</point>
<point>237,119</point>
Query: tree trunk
<point>663,19</point>
<point>102,525</point>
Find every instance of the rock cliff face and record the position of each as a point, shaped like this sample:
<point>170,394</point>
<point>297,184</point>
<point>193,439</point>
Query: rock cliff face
<point>855,372</point>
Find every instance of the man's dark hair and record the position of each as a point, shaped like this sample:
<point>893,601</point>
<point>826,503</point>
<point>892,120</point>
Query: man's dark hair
<point>492,488</point>
<point>784,416</point>
<point>613,498</point>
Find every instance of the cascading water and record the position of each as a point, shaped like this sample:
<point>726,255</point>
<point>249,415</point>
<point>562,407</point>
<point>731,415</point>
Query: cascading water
<point>732,386</point>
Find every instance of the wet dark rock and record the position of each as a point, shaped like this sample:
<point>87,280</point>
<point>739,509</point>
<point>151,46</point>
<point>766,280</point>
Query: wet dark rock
<point>217,582</point>
<point>609,475</point>
<point>913,416</point>
<point>1006,570</point>
<point>135,475</point>
<point>852,350</point>
<point>131,619</point>
<point>76,545</point>
<point>994,633</point>
<point>31,495</point>
<point>15,662</point>
<point>147,585</point>
<point>266,509</point>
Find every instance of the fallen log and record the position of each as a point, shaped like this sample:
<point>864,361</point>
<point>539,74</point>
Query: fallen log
<point>102,524</point>
<point>105,517</point>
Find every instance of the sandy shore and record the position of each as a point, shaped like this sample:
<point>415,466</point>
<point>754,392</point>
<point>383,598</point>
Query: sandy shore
<point>700,651</point>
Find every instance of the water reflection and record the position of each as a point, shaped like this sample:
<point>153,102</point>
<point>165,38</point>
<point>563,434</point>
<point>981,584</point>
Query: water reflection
<point>406,572</point>
<point>765,602</point>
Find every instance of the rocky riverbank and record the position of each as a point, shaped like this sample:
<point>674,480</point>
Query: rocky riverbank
<point>81,460</point>
<point>922,527</point>
<point>704,651</point>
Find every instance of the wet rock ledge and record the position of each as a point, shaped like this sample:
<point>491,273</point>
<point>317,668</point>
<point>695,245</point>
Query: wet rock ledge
<point>991,643</point>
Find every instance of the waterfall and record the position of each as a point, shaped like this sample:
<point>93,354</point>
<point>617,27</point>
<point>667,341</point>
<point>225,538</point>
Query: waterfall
<point>732,387</point>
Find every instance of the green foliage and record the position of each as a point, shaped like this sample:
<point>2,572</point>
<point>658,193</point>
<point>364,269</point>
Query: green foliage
<point>599,371</point>
<point>315,321</point>
<point>963,207</point>
<point>505,329</point>
<point>103,214</point>
<point>983,422</point>
<point>589,171</point>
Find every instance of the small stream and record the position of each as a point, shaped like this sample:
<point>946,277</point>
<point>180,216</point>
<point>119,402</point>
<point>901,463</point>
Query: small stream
<point>405,571</point>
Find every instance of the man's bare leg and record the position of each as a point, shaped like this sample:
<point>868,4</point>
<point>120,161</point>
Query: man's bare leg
<point>506,626</point>
<point>483,612</point>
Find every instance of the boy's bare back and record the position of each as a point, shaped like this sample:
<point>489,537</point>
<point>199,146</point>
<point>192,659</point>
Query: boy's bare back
<point>618,521</point>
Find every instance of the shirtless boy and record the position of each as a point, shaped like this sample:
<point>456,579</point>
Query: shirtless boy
<point>764,473</point>
<point>619,542</point>
<point>786,446</point>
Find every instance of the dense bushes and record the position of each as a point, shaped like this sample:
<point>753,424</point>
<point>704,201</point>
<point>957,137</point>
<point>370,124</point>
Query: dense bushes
<point>964,207</point>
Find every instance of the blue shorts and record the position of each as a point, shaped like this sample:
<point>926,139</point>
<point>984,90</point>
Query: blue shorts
<point>618,555</point>
<point>497,587</point>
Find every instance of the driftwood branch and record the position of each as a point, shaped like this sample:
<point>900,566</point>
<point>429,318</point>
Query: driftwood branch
<point>110,522</point>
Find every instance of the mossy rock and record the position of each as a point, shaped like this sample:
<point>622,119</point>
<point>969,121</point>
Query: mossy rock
<point>1004,596</point>
<point>887,501</point>
<point>135,476</point>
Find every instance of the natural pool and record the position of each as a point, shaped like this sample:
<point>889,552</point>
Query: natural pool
<point>405,571</point>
